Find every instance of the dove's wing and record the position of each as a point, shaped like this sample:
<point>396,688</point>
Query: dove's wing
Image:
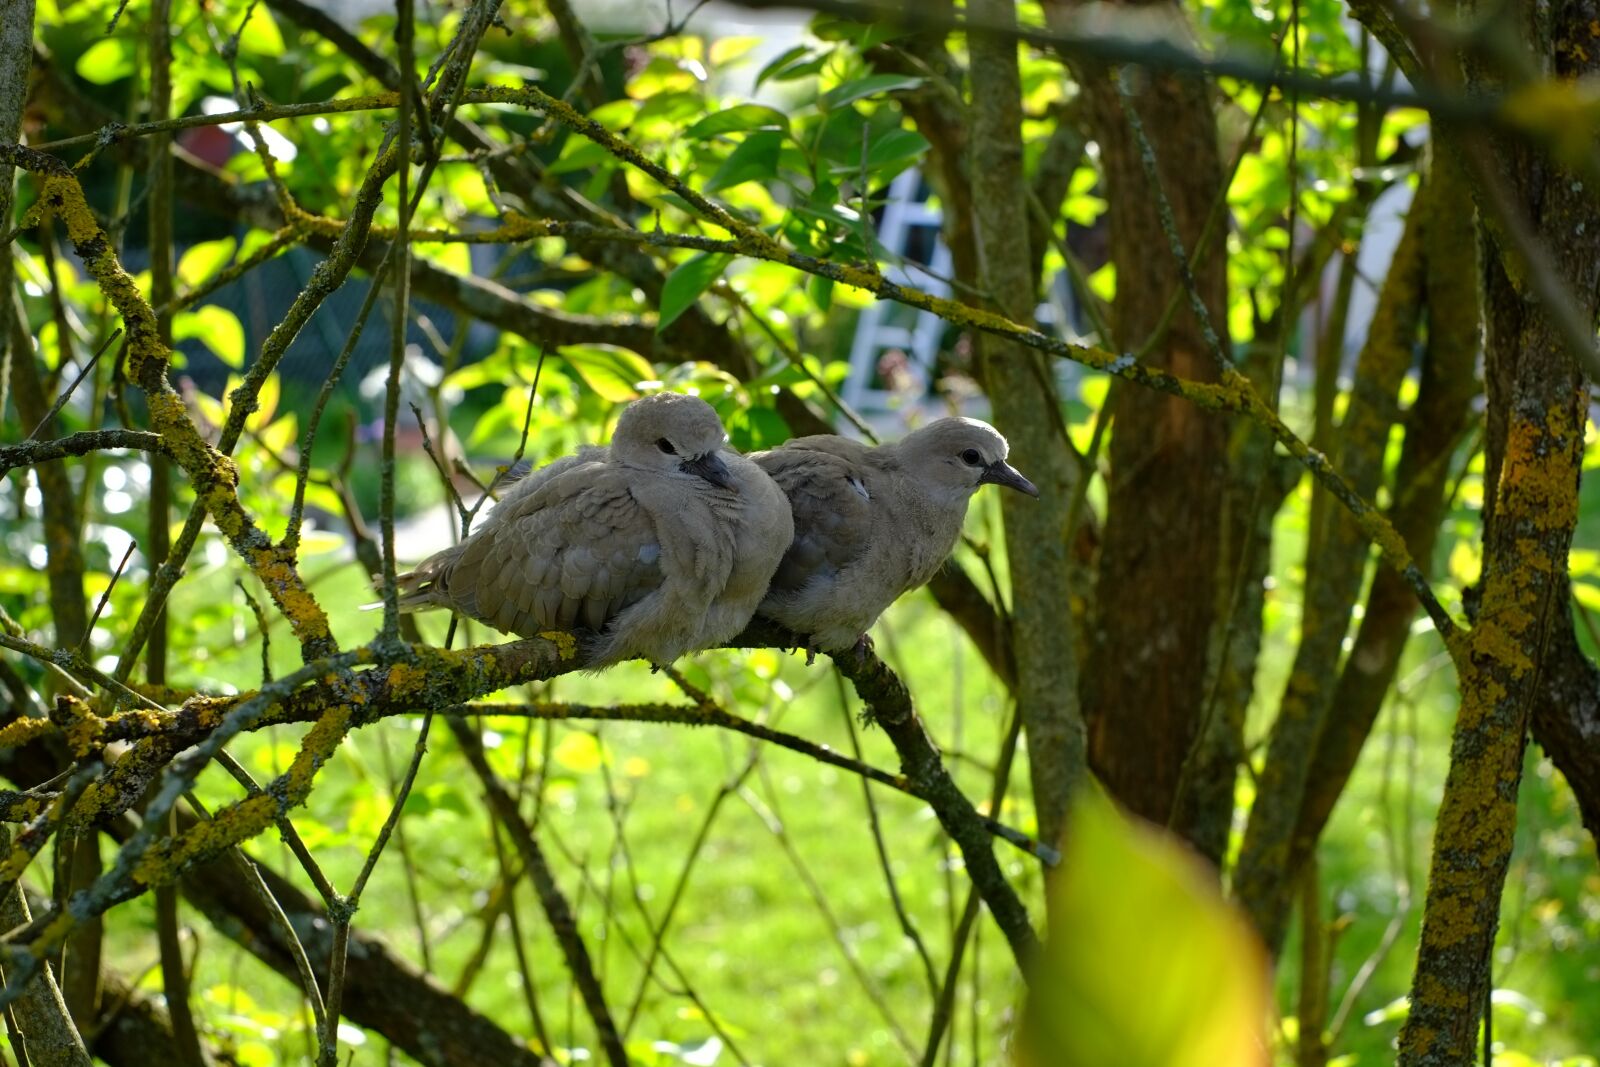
<point>574,552</point>
<point>831,500</point>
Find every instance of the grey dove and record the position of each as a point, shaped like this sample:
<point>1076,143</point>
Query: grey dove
<point>661,544</point>
<point>873,523</point>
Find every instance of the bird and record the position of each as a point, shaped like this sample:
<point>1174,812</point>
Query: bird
<point>872,523</point>
<point>661,544</point>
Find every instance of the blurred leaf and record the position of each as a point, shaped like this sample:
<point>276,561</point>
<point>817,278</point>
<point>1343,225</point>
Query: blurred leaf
<point>755,159</point>
<point>203,260</point>
<point>579,153</point>
<point>613,373</point>
<point>873,84</point>
<point>685,284</point>
<point>864,35</point>
<point>107,60</point>
<point>260,34</point>
<point>737,119</point>
<point>215,327</point>
<point>795,63</point>
<point>820,291</point>
<point>579,753</point>
<point>1154,968</point>
<point>756,428</point>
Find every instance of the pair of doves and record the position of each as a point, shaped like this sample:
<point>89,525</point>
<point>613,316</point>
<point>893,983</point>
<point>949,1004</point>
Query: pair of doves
<point>669,541</point>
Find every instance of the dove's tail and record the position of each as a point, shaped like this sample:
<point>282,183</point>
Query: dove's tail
<point>424,588</point>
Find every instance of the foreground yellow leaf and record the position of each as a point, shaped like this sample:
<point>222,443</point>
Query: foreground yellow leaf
<point>1150,967</point>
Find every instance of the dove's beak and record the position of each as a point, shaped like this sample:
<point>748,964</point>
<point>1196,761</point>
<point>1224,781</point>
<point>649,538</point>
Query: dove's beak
<point>711,468</point>
<point>1002,473</point>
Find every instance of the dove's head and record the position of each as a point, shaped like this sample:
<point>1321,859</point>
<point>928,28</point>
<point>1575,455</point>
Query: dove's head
<point>956,456</point>
<point>673,434</point>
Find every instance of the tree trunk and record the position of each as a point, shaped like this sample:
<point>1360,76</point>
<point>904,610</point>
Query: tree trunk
<point>1156,603</point>
<point>1536,418</point>
<point>1021,388</point>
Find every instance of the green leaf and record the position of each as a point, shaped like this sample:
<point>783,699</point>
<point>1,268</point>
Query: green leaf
<point>756,159</point>
<point>863,35</point>
<point>675,106</point>
<point>579,153</point>
<point>215,327</point>
<point>685,284</point>
<point>107,60</point>
<point>873,84</point>
<point>612,373</point>
<point>895,145</point>
<point>820,290</point>
<point>203,260</point>
<point>260,35</point>
<point>737,119</point>
<point>887,155</point>
<point>756,428</point>
<point>579,753</point>
<point>792,64</point>
<point>1153,968</point>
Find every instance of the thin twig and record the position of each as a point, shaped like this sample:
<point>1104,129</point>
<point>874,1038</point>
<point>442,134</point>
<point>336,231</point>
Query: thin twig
<point>66,394</point>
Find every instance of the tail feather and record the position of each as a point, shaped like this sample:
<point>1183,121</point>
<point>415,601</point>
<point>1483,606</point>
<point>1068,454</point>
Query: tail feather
<point>423,588</point>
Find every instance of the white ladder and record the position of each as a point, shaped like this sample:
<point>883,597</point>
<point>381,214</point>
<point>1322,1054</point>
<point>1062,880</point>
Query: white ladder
<point>903,215</point>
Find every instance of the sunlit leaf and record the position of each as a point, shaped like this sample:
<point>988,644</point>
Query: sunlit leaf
<point>613,373</point>
<point>737,120</point>
<point>1153,968</point>
<point>686,282</point>
<point>260,34</point>
<point>871,85</point>
<point>579,753</point>
<point>107,60</point>
<point>215,327</point>
<point>203,260</point>
<point>755,159</point>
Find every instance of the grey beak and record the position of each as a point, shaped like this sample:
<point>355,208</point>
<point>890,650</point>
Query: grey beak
<point>712,469</point>
<point>1002,473</point>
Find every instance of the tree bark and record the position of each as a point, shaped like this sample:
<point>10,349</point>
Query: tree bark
<point>1156,604</point>
<point>42,1025</point>
<point>1021,388</point>
<point>1536,418</point>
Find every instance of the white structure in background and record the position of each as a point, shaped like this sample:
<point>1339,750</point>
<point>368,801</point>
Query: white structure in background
<point>876,331</point>
<point>910,222</point>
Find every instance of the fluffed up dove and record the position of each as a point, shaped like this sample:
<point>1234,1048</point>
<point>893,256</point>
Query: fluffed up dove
<point>873,523</point>
<point>659,545</point>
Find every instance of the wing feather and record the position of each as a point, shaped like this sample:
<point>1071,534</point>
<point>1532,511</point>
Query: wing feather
<point>550,559</point>
<point>830,498</point>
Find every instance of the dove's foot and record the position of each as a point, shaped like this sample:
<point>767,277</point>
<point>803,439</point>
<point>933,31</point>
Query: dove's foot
<point>810,650</point>
<point>862,648</point>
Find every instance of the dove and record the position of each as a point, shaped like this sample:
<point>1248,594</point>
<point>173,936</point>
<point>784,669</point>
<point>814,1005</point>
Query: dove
<point>873,523</point>
<point>659,545</point>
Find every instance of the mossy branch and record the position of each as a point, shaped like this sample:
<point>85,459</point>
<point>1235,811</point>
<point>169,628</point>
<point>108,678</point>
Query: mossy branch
<point>213,476</point>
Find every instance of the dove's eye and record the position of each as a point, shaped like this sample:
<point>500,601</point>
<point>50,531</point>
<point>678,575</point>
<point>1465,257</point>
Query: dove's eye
<point>666,446</point>
<point>971,456</point>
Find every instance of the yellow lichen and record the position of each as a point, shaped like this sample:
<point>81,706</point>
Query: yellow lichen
<point>164,862</point>
<point>406,680</point>
<point>566,644</point>
<point>22,731</point>
<point>84,735</point>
